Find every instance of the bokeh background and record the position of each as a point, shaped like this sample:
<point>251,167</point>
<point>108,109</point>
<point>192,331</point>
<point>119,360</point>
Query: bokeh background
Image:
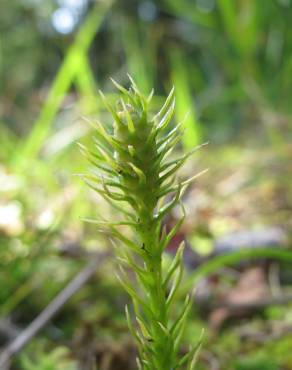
<point>231,64</point>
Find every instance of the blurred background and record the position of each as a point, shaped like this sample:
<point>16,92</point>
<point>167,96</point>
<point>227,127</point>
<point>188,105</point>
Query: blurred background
<point>231,64</point>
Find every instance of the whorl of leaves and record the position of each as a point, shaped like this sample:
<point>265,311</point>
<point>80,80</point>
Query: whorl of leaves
<point>131,171</point>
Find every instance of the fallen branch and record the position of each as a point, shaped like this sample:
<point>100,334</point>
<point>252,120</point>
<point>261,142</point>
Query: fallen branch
<point>46,315</point>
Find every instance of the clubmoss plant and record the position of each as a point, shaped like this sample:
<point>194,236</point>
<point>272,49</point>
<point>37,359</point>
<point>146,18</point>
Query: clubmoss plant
<point>132,173</point>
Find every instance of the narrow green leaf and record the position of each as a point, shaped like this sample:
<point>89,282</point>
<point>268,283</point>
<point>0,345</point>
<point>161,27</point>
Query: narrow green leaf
<point>174,265</point>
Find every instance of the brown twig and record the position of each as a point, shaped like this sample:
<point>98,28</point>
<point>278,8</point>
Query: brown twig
<point>257,304</point>
<point>264,336</point>
<point>46,315</point>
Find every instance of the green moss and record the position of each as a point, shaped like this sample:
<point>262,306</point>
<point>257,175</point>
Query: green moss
<point>131,168</point>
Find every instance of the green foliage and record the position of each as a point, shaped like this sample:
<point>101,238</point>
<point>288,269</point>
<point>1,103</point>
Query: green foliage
<point>140,52</point>
<point>256,362</point>
<point>131,167</point>
<point>231,64</point>
<point>54,360</point>
<point>185,110</point>
<point>75,68</point>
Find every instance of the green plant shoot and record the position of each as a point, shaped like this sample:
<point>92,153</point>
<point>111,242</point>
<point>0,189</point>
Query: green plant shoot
<point>132,172</point>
